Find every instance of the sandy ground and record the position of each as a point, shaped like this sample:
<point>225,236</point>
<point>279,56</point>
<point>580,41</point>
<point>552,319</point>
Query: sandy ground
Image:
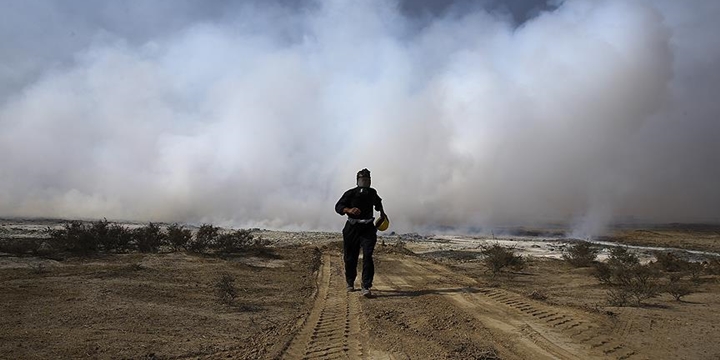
<point>434,299</point>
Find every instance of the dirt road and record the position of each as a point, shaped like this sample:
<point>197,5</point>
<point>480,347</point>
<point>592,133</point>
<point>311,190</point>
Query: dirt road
<point>423,310</point>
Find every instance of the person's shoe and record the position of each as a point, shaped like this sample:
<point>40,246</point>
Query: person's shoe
<point>350,288</point>
<point>366,293</point>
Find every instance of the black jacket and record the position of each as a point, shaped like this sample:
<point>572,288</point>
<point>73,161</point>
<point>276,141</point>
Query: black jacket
<point>361,198</point>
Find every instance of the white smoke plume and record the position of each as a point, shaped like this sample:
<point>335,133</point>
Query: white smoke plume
<point>261,113</point>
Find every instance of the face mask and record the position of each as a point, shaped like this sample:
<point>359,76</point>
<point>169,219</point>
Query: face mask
<point>363,182</point>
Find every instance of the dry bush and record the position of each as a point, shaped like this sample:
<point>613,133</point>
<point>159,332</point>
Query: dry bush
<point>75,237</point>
<point>225,289</point>
<point>498,257</point>
<point>178,237</point>
<point>234,241</point>
<point>623,256</point>
<point>630,280</point>
<point>618,297</point>
<point>85,239</point>
<point>205,237</point>
<point>669,262</point>
<point>642,284</point>
<point>20,247</point>
<point>149,238</point>
<point>677,287</point>
<point>604,273</point>
<point>110,237</point>
<point>119,238</point>
<point>580,254</point>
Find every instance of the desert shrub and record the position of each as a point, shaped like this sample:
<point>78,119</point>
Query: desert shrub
<point>580,254</point>
<point>677,287</point>
<point>641,283</point>
<point>225,289</point>
<point>233,241</point>
<point>623,256</point>
<point>205,237</point>
<point>618,268</point>
<point>632,282</point>
<point>498,257</point>
<point>75,237</point>
<point>669,262</point>
<point>604,273</point>
<point>149,238</point>
<point>178,237</point>
<point>618,297</point>
<point>100,231</point>
<point>20,246</point>
<point>119,238</point>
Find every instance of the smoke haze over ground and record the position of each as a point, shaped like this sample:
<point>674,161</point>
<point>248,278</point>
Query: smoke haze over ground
<point>260,113</point>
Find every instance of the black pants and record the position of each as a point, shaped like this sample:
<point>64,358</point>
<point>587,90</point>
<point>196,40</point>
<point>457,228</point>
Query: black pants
<point>356,237</point>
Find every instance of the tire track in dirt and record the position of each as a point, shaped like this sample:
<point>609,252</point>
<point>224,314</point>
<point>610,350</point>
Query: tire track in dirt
<point>538,330</point>
<point>333,329</point>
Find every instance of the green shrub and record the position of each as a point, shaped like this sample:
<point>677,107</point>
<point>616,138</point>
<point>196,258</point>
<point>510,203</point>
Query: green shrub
<point>580,254</point>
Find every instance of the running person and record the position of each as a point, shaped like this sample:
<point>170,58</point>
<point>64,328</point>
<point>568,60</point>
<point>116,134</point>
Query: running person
<point>360,231</point>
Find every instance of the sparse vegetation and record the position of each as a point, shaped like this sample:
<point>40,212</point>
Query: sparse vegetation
<point>632,282</point>
<point>234,241</point>
<point>225,289</point>
<point>75,237</point>
<point>669,262</point>
<point>149,238</point>
<point>84,239</point>
<point>498,257</point>
<point>178,237</point>
<point>21,247</point>
<point>119,238</point>
<point>205,237</point>
<point>580,254</point>
<point>677,287</point>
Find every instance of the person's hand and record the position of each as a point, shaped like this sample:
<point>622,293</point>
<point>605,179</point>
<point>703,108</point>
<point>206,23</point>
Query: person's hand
<point>352,211</point>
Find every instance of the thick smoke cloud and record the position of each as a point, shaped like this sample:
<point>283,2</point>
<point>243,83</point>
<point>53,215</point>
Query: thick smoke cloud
<point>260,113</point>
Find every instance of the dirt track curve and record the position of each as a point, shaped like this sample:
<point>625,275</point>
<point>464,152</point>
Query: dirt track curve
<point>519,328</point>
